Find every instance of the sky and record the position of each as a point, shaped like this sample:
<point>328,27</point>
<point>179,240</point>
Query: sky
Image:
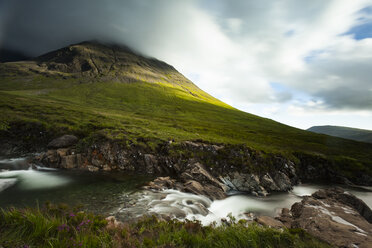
<point>299,62</point>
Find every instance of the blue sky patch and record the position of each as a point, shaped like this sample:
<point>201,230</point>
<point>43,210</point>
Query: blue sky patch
<point>364,30</point>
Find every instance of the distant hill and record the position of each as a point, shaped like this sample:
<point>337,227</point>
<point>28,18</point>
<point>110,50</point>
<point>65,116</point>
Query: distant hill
<point>344,132</point>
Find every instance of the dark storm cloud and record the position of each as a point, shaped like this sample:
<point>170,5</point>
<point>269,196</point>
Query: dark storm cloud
<point>41,25</point>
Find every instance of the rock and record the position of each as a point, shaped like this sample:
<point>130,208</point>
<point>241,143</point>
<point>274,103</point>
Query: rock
<point>52,159</point>
<point>79,161</point>
<point>151,164</point>
<point>68,162</point>
<point>198,172</point>
<point>346,198</point>
<point>92,168</point>
<point>333,216</point>
<point>112,223</point>
<point>208,190</point>
<point>194,187</point>
<point>268,183</point>
<point>285,217</point>
<point>63,142</point>
<point>282,181</point>
<point>63,152</point>
<point>245,182</point>
<point>228,184</point>
<point>269,222</point>
<point>161,183</point>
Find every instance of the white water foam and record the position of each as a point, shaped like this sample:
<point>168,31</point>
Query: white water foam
<point>32,179</point>
<point>305,190</point>
<point>181,205</point>
<point>6,183</point>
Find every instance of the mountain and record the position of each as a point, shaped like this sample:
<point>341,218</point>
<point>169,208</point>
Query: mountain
<point>344,132</point>
<point>91,88</point>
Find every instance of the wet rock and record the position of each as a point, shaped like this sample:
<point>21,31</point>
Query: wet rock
<point>68,162</point>
<point>269,222</point>
<point>51,158</point>
<point>285,217</point>
<point>245,182</point>
<point>333,216</point>
<point>62,152</point>
<point>63,142</point>
<point>161,183</point>
<point>106,167</point>
<point>194,187</point>
<point>268,183</point>
<point>208,190</point>
<point>151,164</point>
<point>198,172</point>
<point>92,168</point>
<point>338,194</point>
<point>79,161</point>
<point>282,181</point>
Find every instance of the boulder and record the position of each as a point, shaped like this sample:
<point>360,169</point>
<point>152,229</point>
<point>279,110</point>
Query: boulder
<point>197,171</point>
<point>244,182</point>
<point>268,183</point>
<point>282,181</point>
<point>68,162</point>
<point>346,198</point>
<point>269,222</point>
<point>63,152</point>
<point>208,190</point>
<point>92,168</point>
<point>51,159</point>
<point>334,216</point>
<point>63,142</point>
<point>106,167</point>
<point>161,183</point>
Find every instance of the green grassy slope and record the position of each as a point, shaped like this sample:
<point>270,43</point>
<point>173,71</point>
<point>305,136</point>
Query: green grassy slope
<point>344,132</point>
<point>131,96</point>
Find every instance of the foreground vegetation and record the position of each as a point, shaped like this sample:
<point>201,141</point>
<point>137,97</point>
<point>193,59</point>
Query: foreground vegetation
<point>59,226</point>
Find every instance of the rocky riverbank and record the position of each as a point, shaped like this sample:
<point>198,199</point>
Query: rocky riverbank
<point>192,166</point>
<point>195,167</point>
<point>333,215</point>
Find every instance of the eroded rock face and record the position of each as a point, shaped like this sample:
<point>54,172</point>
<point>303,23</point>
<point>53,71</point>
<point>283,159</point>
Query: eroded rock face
<point>190,172</point>
<point>258,185</point>
<point>282,181</point>
<point>334,216</point>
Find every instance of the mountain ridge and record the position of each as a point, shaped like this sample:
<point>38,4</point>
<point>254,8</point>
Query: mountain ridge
<point>357,134</point>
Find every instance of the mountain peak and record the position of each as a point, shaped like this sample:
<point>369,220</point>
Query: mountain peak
<point>93,61</point>
<point>95,58</point>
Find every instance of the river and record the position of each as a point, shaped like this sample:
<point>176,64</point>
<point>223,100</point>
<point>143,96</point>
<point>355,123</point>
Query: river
<point>120,194</point>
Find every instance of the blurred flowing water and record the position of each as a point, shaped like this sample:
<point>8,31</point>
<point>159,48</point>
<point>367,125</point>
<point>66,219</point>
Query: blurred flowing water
<point>120,194</point>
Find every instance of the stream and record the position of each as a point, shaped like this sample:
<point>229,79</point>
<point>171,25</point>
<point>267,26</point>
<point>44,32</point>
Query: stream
<point>120,194</point>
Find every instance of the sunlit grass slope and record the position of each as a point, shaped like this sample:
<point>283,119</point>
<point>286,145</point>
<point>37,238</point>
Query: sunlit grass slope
<point>132,96</point>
